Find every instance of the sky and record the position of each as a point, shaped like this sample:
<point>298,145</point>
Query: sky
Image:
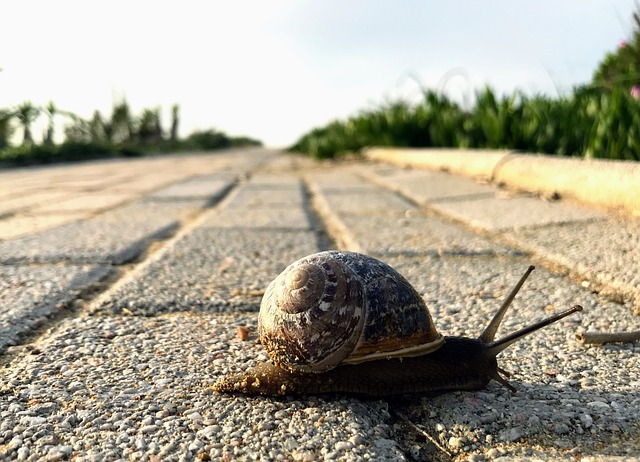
<point>274,69</point>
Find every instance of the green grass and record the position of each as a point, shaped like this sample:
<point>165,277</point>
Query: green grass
<point>590,122</point>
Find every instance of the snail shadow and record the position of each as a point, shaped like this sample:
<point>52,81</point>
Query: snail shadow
<point>542,418</point>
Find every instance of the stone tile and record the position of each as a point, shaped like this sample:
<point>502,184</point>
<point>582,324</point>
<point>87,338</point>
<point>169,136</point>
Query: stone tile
<point>146,182</point>
<point>258,218</point>
<point>338,180</point>
<point>209,269</point>
<point>89,182</point>
<point>374,220</point>
<point>260,205</point>
<point>415,233</point>
<point>93,202</point>
<point>252,197</point>
<point>273,180</point>
<point>116,236</point>
<point>21,225</point>
<point>370,202</point>
<point>463,293</point>
<point>425,186</point>
<point>207,186</point>
<point>604,252</point>
<point>502,213</point>
<point>32,199</point>
<point>29,295</point>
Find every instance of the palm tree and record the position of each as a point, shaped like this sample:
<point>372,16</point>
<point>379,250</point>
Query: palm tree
<point>122,123</point>
<point>99,130</point>
<point>174,122</point>
<point>50,110</point>
<point>6,129</point>
<point>149,129</point>
<point>26,114</point>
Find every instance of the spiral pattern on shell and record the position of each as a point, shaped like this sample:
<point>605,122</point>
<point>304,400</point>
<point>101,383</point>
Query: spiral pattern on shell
<point>301,326</point>
<point>342,307</point>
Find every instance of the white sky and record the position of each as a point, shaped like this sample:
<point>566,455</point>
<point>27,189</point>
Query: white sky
<point>274,69</point>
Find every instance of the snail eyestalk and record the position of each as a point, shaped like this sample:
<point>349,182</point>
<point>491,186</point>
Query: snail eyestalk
<point>490,331</point>
<point>499,345</point>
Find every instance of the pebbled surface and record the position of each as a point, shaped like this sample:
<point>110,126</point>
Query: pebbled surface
<point>29,295</point>
<point>116,322</point>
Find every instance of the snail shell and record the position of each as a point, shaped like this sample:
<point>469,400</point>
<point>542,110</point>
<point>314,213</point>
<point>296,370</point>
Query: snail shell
<point>338,307</point>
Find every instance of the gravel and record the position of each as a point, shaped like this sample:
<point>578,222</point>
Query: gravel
<point>210,269</point>
<point>209,188</point>
<point>115,237</point>
<point>29,295</point>
<point>108,388</point>
<point>604,252</point>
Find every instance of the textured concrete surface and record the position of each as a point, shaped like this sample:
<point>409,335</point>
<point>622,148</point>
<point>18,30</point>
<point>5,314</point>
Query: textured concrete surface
<point>115,324</point>
<point>29,295</point>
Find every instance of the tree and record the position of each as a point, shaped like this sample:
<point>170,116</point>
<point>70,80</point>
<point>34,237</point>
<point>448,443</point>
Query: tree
<point>175,120</point>
<point>78,132</point>
<point>6,128</point>
<point>98,129</point>
<point>149,129</point>
<point>122,123</point>
<point>26,113</point>
<point>52,111</point>
<point>621,68</point>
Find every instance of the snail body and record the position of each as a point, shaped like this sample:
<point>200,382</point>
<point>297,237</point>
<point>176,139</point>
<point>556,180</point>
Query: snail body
<point>343,322</point>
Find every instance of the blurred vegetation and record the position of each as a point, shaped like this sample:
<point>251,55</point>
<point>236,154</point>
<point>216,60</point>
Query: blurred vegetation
<point>120,134</point>
<point>597,120</point>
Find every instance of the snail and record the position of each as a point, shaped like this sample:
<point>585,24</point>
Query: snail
<point>345,322</point>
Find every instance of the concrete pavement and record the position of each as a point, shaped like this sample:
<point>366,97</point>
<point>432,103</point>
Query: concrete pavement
<point>123,284</point>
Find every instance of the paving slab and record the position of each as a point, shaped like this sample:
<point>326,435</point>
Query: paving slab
<point>273,203</point>
<point>339,179</point>
<point>254,196</point>
<point>372,201</point>
<point>114,237</point>
<point>371,219</point>
<point>22,224</point>
<point>481,206</point>
<point>513,212</point>
<point>414,234</point>
<point>145,182</point>
<point>210,269</point>
<point>31,294</point>
<point>85,181</point>
<point>606,253</point>
<point>424,186</point>
<point>283,218</point>
<point>212,187</point>
<point>31,198</point>
<point>90,202</point>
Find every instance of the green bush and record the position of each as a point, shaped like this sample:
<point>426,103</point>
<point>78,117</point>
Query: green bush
<point>209,139</point>
<point>593,122</point>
